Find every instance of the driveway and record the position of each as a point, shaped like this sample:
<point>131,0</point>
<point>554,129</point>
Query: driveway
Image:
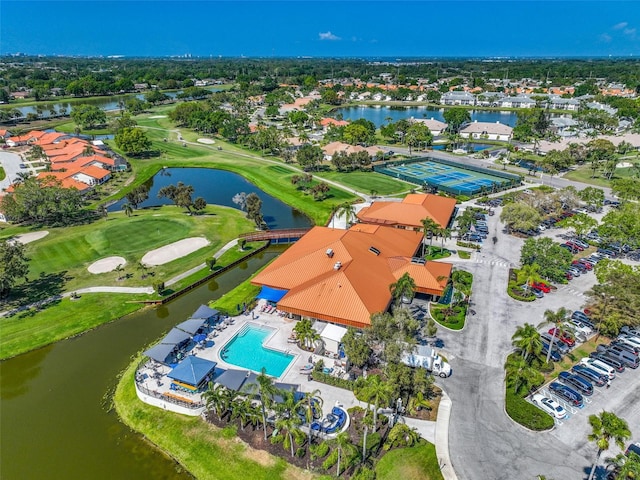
<point>484,442</point>
<point>11,164</point>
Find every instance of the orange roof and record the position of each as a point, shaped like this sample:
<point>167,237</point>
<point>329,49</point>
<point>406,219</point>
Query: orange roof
<point>36,134</point>
<point>95,172</point>
<point>19,139</point>
<point>3,132</point>
<point>332,121</point>
<point>49,138</point>
<point>411,211</point>
<point>359,287</point>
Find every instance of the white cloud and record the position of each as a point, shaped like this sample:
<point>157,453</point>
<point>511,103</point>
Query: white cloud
<point>328,36</point>
<point>604,38</point>
<point>620,26</point>
<point>630,31</point>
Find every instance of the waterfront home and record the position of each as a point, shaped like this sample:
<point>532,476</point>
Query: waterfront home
<point>487,131</point>
<point>436,127</point>
<point>521,101</point>
<point>457,98</point>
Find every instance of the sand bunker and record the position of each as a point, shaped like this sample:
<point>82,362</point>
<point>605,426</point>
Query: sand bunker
<point>170,252</point>
<point>158,116</point>
<point>105,265</point>
<point>624,165</point>
<point>30,237</point>
<point>206,141</point>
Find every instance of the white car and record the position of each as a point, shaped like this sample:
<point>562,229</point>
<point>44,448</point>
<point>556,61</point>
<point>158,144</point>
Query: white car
<point>581,327</point>
<point>571,328</point>
<point>549,405</point>
<point>630,340</point>
<point>599,367</point>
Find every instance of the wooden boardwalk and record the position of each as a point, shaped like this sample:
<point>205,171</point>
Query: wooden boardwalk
<point>288,235</point>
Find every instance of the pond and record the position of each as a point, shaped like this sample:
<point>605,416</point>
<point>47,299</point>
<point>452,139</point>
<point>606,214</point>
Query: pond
<point>53,401</point>
<point>49,109</point>
<point>219,187</point>
<point>379,114</point>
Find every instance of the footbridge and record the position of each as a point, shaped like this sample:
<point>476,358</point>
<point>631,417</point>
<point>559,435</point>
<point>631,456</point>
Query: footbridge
<point>287,235</point>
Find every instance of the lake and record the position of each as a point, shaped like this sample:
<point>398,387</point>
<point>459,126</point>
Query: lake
<point>219,187</point>
<point>379,114</point>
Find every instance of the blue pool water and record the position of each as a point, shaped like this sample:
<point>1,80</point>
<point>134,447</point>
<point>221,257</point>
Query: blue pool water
<point>245,350</point>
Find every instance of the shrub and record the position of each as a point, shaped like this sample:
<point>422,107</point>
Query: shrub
<point>517,293</point>
<point>319,451</point>
<point>277,439</point>
<point>464,254</point>
<point>525,413</point>
<point>334,381</point>
<point>374,440</point>
<point>331,460</point>
<point>462,198</point>
<point>364,473</point>
<point>475,246</point>
<point>300,452</point>
<point>158,287</point>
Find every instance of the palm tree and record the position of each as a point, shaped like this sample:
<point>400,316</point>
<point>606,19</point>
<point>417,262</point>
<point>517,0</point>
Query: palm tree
<point>626,466</point>
<point>241,409</point>
<point>216,399</point>
<point>265,389</point>
<point>405,287</point>
<point>527,340</point>
<point>307,404</point>
<point>604,427</point>
<point>429,227</point>
<point>520,375</point>
<point>444,234</point>
<point>343,443</point>
<point>305,333</point>
<point>530,272</point>
<point>128,209</point>
<point>348,210</point>
<point>402,435</point>
<point>378,391</point>
<point>88,151</point>
<point>289,424</point>
<point>555,319</point>
<point>367,421</point>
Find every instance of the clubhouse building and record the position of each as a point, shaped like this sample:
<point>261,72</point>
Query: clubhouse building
<point>409,213</point>
<point>343,276</point>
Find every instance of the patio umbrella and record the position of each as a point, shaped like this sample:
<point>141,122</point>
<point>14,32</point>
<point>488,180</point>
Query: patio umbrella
<point>200,337</point>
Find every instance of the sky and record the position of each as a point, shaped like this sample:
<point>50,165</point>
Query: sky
<point>331,28</point>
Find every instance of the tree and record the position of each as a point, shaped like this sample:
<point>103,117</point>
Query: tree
<point>403,288</point>
<point>580,223</point>
<point>592,196</point>
<point>401,435</point>
<point>309,403</point>
<point>355,348</point>
<point>455,117</point>
<point>606,427</point>
<point>218,399</point>
<point>626,188</point>
<point>520,217</point>
<point>132,141</point>
<point>598,152</point>
<point>622,224</point>
<point>343,444</point>
<point>290,426</point>
<point>309,157</point>
<point>626,467</point>
<point>377,391</point>
<point>429,229</point>
<point>527,339</point>
<point>551,258</point>
<point>155,97</point>
<point>556,319</point>
<point>122,122</point>
<point>521,376</point>
<point>531,273</point>
<point>254,209</point>
<point>127,208</point>
<point>179,194</point>
<point>418,134</point>
<point>347,210</point>
<point>265,389</point>
<point>355,134</point>
<point>134,105</point>
<point>88,116</point>
<point>305,333</point>
<point>14,265</point>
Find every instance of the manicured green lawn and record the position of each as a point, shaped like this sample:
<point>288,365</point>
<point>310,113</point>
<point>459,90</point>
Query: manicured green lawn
<point>245,292</point>
<point>73,249</point>
<point>200,447</point>
<point>366,182</point>
<point>29,330</point>
<point>584,174</point>
<point>3,174</point>
<point>415,463</point>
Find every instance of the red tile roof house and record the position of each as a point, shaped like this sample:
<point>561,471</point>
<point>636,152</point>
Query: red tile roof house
<point>343,276</point>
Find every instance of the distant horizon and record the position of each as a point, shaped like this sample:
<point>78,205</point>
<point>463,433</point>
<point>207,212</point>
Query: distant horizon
<point>322,29</point>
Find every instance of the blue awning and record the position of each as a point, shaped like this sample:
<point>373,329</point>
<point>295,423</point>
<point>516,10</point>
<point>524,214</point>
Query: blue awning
<point>271,294</point>
<point>192,370</point>
<point>205,312</point>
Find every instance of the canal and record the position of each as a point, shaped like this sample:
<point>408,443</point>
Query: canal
<point>54,401</point>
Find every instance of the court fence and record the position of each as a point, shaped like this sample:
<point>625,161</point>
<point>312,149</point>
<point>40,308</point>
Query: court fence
<point>510,180</point>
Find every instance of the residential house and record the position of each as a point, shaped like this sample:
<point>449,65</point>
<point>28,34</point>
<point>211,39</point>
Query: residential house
<point>332,148</point>
<point>457,98</point>
<point>559,103</point>
<point>487,131</point>
<point>521,101</point>
<point>436,127</point>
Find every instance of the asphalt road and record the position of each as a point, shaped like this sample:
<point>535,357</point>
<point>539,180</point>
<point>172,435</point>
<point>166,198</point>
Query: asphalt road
<point>484,442</point>
<point>11,164</point>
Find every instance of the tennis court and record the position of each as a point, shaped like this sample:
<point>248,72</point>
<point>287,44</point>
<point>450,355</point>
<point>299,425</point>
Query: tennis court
<point>450,177</point>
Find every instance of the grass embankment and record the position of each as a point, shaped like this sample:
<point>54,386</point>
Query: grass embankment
<point>33,329</point>
<point>525,413</point>
<point>3,174</point>
<point>206,451</point>
<point>414,463</point>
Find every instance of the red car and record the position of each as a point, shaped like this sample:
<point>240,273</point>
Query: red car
<point>586,265</point>
<point>565,337</point>
<point>541,286</point>
<point>568,276</point>
<point>575,246</point>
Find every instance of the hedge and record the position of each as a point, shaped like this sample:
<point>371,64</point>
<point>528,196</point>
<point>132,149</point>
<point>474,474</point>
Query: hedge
<point>514,292</point>
<point>475,246</point>
<point>334,381</point>
<point>525,413</point>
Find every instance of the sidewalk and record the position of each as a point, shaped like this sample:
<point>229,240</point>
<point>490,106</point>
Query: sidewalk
<point>442,438</point>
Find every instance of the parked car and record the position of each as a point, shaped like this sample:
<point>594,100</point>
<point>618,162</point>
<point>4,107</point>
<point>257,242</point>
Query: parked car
<point>612,362</point>
<point>568,275</point>
<point>587,330</point>
<point>570,248</point>
<point>599,366</point>
<point>574,245</point>
<point>549,405</point>
<point>578,334</point>
<point>627,358</point>
<point>585,387</point>
<point>558,346</point>
<point>598,379</point>
<point>584,263</point>
<point>564,337</point>
<point>579,266</point>
<point>580,243</point>
<point>555,356</point>
<point>566,393</point>
<point>630,339</point>
<point>575,271</point>
<point>578,315</point>
<point>634,447</point>
<point>625,345</point>
<point>541,286</point>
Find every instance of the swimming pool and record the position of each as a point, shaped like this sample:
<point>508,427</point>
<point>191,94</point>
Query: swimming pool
<point>246,350</point>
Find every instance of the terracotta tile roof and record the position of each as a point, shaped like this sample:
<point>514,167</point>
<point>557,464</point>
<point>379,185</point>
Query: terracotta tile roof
<point>95,172</point>
<point>332,121</point>
<point>411,211</point>
<point>359,287</point>
<point>36,134</point>
<point>49,138</point>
